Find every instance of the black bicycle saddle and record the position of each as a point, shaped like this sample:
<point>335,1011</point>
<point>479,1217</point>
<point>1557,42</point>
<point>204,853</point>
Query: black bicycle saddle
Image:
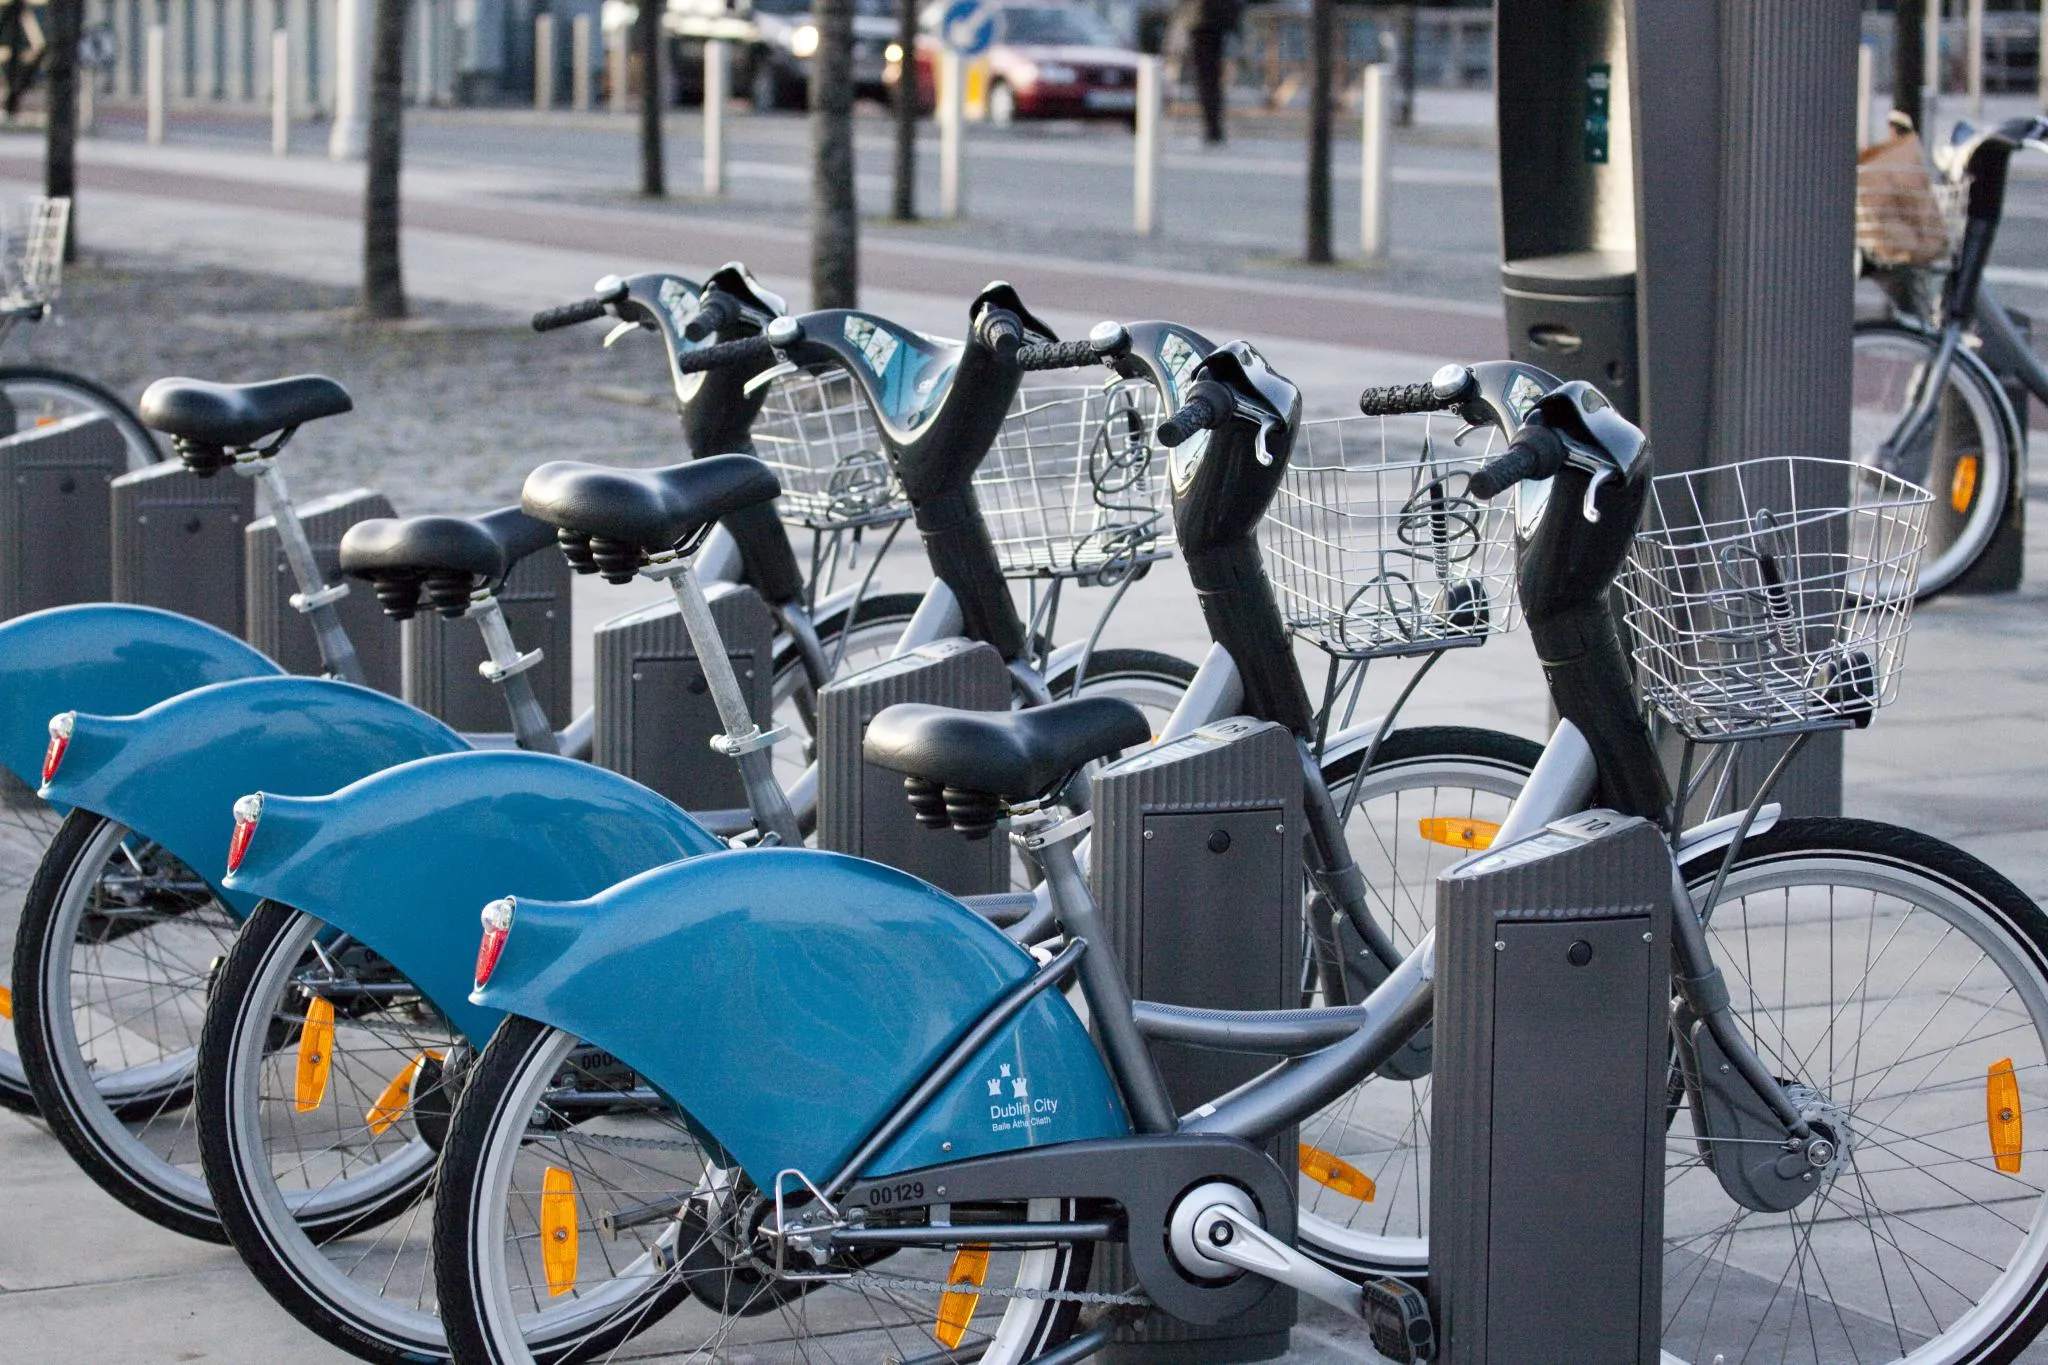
<point>1012,755</point>
<point>223,415</point>
<point>644,510</point>
<point>447,557</point>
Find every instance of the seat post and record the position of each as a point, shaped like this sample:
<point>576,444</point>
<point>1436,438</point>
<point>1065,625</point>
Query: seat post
<point>316,597</point>
<point>743,741</point>
<point>506,666</point>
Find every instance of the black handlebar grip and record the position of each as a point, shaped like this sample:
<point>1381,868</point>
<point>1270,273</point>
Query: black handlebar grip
<point>725,353</point>
<point>1399,399</point>
<point>1207,406</point>
<point>1520,461</point>
<point>569,314</point>
<point>714,314</point>
<point>1058,355</point>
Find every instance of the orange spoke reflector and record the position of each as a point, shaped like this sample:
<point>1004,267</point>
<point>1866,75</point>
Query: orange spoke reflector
<point>6,1003</point>
<point>316,1054</point>
<point>397,1097</point>
<point>46,420</point>
<point>956,1306</point>
<point>1339,1174</point>
<point>558,1229</point>
<point>2002,1116</point>
<point>1962,487</point>
<point>1448,829</point>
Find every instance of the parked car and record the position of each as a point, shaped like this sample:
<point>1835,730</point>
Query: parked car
<point>775,68</point>
<point>1050,59</point>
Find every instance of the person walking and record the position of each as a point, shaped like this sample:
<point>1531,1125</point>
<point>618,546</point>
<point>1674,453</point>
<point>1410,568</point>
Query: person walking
<point>1208,24</point>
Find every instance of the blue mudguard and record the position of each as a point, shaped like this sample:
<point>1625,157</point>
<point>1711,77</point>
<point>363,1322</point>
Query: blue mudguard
<point>172,773</point>
<point>107,659</point>
<point>788,1000</point>
<point>403,860</point>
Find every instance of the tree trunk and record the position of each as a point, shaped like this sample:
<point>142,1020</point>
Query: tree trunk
<point>1909,55</point>
<point>1322,28</point>
<point>60,69</point>
<point>383,275</point>
<point>653,96</point>
<point>905,207</point>
<point>835,213</point>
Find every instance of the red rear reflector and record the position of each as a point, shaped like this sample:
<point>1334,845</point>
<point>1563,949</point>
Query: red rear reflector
<point>248,811</point>
<point>60,740</point>
<point>497,919</point>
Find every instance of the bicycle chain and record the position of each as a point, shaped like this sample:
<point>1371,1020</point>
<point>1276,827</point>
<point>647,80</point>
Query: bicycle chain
<point>999,1291</point>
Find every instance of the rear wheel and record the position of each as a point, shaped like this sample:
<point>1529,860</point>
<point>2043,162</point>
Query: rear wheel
<point>27,825</point>
<point>40,397</point>
<point>565,1228</point>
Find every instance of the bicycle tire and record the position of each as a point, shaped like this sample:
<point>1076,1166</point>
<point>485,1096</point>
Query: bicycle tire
<point>1970,473</point>
<point>496,1109</point>
<point>86,395</point>
<point>27,825</point>
<point>1821,858</point>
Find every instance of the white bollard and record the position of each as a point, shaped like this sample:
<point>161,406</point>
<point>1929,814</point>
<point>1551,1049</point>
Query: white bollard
<point>579,63</point>
<point>952,112</point>
<point>1148,142</point>
<point>618,43</point>
<point>1374,193</point>
<point>351,130</point>
<point>1930,66</point>
<point>280,92</point>
<point>717,76</point>
<point>1973,58</point>
<point>88,96</point>
<point>153,81</point>
<point>1866,62</point>
<point>544,61</point>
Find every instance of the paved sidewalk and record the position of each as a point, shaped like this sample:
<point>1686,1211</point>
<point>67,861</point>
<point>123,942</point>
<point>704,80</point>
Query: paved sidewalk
<point>1960,755</point>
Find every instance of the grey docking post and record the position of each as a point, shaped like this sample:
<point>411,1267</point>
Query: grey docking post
<point>441,656</point>
<point>55,532</point>
<point>178,542</point>
<point>281,631</point>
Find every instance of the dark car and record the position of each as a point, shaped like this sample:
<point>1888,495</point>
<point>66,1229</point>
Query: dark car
<point>776,66</point>
<point>1050,59</point>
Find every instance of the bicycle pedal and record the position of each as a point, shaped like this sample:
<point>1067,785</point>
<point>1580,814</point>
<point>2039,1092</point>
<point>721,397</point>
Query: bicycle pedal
<point>1397,1316</point>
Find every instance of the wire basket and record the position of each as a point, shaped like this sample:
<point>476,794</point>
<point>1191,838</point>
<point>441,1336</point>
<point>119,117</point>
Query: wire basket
<point>32,252</point>
<point>1904,214</point>
<point>1376,548</point>
<point>816,431</point>
<point>1074,487</point>
<point>1774,595</point>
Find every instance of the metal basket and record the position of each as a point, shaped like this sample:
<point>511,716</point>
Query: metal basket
<point>1376,548</point>
<point>1774,595</point>
<point>1074,487</point>
<point>816,431</point>
<point>32,252</point>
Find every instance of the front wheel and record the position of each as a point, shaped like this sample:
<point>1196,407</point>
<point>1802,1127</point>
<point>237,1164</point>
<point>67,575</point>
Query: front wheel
<point>565,1227</point>
<point>1965,455</point>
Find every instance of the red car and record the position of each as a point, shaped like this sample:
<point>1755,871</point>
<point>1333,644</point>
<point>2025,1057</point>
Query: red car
<point>1050,59</point>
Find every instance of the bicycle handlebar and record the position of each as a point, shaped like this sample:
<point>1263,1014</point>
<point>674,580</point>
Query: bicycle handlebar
<point>725,353</point>
<point>1207,406</point>
<point>714,314</point>
<point>1059,355</point>
<point>1536,453</point>
<point>569,314</point>
<point>1396,400</point>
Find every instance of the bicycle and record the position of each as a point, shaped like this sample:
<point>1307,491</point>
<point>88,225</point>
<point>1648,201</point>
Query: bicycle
<point>1929,406</point>
<point>364,1290</point>
<point>742,1215</point>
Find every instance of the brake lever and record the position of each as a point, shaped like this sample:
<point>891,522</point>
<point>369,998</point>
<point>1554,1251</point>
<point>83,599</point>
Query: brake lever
<point>1586,508</point>
<point>618,330</point>
<point>1267,426</point>
<point>767,377</point>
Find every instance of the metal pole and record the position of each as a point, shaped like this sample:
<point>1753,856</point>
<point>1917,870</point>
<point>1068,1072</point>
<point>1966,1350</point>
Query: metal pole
<point>280,92</point>
<point>153,81</point>
<point>544,61</point>
<point>1974,56</point>
<point>617,47</point>
<point>952,115</point>
<point>717,74</point>
<point>1373,198</point>
<point>579,63</point>
<point>1145,190</point>
<point>1865,76</point>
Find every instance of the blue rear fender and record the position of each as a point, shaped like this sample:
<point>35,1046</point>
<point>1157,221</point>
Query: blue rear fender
<point>107,659</point>
<point>788,1000</point>
<point>172,773</point>
<point>403,860</point>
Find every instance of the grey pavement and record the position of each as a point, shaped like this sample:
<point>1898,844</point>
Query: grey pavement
<point>454,407</point>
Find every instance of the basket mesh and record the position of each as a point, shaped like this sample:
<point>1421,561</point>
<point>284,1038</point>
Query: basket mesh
<point>1774,595</point>
<point>1073,486</point>
<point>32,251</point>
<point>817,433</point>
<point>1375,547</point>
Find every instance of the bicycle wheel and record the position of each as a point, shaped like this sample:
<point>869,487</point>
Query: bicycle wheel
<point>27,825</point>
<point>1149,680</point>
<point>853,639</point>
<point>1433,795</point>
<point>111,967</point>
<point>566,1228</point>
<point>1894,977</point>
<point>40,396</point>
<point>1965,456</point>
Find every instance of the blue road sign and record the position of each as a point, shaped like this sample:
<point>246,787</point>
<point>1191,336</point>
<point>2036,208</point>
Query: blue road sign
<point>968,27</point>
